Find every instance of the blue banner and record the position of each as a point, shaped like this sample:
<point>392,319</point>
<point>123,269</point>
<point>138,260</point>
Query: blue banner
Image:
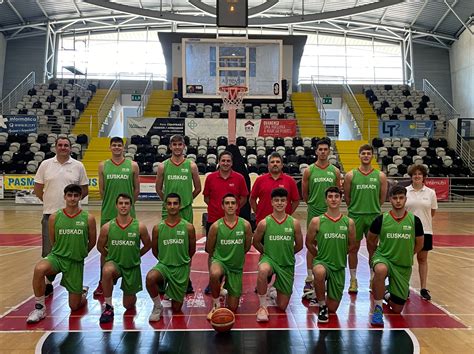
<point>14,124</point>
<point>406,128</point>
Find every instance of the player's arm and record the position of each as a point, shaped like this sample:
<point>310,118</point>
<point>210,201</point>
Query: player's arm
<point>154,241</point>
<point>211,239</point>
<point>311,243</point>
<point>196,180</point>
<point>373,235</point>
<point>338,178</point>
<point>248,236</point>
<point>192,240</point>
<point>298,236</point>
<point>145,237</point>
<point>136,181</point>
<point>92,229</point>
<point>101,179</point>
<point>103,238</point>
<point>305,185</point>
<point>347,187</point>
<point>51,230</point>
<point>159,181</point>
<point>383,188</point>
<point>419,233</point>
<point>352,236</point>
<point>258,236</point>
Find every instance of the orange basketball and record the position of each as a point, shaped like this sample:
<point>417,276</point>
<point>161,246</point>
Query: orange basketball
<point>222,319</point>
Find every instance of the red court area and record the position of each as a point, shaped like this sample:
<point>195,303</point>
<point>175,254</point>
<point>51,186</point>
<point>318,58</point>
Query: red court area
<point>353,311</point>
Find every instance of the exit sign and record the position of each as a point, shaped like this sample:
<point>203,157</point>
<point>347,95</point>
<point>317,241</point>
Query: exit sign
<point>327,100</point>
<point>136,98</point>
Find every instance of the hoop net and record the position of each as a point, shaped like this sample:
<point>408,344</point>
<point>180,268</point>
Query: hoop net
<point>232,96</point>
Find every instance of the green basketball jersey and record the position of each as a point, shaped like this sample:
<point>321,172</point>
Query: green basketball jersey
<point>320,179</point>
<point>397,239</point>
<point>123,244</point>
<point>173,243</point>
<point>333,241</point>
<point>178,179</point>
<point>365,192</point>
<point>279,241</point>
<point>117,179</point>
<point>71,235</point>
<point>230,244</point>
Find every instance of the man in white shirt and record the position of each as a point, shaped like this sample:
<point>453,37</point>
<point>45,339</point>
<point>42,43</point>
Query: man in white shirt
<point>52,177</point>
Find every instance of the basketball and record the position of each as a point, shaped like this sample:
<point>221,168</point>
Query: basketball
<point>222,319</point>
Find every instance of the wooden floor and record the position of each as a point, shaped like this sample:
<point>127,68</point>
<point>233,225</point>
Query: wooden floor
<point>451,274</point>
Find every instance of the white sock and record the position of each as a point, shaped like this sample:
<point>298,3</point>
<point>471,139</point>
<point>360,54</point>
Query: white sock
<point>310,273</point>
<point>156,301</point>
<point>40,300</point>
<point>108,300</point>
<point>263,300</point>
<point>353,273</point>
<point>322,303</point>
<point>47,281</point>
<point>216,303</point>
<point>378,302</point>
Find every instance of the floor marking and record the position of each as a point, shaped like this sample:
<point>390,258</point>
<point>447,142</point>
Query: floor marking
<point>21,251</point>
<point>452,255</point>
<point>39,345</point>
<point>416,344</point>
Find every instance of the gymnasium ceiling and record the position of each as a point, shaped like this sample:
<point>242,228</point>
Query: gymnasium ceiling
<point>432,22</point>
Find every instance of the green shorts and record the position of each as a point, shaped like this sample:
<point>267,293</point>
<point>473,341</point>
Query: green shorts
<point>398,277</point>
<point>335,280</point>
<point>176,280</point>
<point>233,279</point>
<point>73,272</point>
<point>285,275</point>
<point>186,213</point>
<point>313,212</point>
<point>362,224</point>
<point>131,279</point>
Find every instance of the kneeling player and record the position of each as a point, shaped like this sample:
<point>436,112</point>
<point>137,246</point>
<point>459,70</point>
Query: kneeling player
<point>277,237</point>
<point>329,237</point>
<point>228,240</point>
<point>173,244</point>
<point>119,243</point>
<point>72,232</point>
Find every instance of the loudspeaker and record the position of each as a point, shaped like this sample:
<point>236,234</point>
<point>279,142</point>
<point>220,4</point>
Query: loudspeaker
<point>232,13</point>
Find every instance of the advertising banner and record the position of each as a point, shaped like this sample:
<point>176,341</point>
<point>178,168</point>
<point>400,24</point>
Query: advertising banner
<point>147,188</point>
<point>439,184</point>
<point>14,124</point>
<point>154,126</point>
<point>406,128</point>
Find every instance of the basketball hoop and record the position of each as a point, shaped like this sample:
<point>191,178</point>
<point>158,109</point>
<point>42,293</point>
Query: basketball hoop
<point>232,96</point>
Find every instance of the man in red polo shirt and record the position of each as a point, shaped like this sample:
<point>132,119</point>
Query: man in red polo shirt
<point>264,184</point>
<point>217,185</point>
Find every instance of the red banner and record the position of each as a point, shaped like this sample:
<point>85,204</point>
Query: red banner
<point>440,186</point>
<point>277,128</point>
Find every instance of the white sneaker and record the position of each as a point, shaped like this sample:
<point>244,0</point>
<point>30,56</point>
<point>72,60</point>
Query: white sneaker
<point>85,291</point>
<point>223,292</point>
<point>272,293</point>
<point>155,315</point>
<point>262,314</point>
<point>37,314</point>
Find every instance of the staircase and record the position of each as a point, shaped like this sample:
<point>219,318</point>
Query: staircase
<point>348,152</point>
<point>97,151</point>
<point>307,115</point>
<point>370,122</point>
<point>159,104</point>
<point>83,125</point>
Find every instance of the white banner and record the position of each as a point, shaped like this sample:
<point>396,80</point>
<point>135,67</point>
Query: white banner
<point>213,128</point>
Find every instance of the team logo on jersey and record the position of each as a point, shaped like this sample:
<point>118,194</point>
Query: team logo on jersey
<point>132,234</point>
<point>184,170</point>
<point>288,229</point>
<point>180,233</point>
<point>407,227</point>
<point>231,185</point>
<point>343,228</point>
<point>80,223</point>
<point>239,233</point>
<point>125,169</point>
<point>372,179</point>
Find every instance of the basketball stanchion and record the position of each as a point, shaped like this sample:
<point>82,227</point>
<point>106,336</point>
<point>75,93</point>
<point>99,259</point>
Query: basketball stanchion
<point>232,97</point>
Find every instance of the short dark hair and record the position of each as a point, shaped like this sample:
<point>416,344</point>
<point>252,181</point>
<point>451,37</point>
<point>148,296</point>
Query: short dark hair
<point>323,141</point>
<point>273,155</point>
<point>73,188</point>
<point>116,139</point>
<point>124,196</point>
<point>62,138</point>
<point>279,192</point>
<point>332,189</point>
<point>177,138</point>
<point>397,189</point>
<point>366,147</point>
<point>413,168</point>
<point>173,195</point>
<point>225,152</point>
<point>228,195</point>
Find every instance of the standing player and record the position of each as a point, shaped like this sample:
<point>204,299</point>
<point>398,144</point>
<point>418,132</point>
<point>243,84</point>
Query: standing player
<point>399,235</point>
<point>228,241</point>
<point>365,189</point>
<point>278,238</point>
<point>52,177</point>
<point>173,244</point>
<point>316,180</point>
<point>116,175</point>
<point>72,234</point>
<point>329,238</point>
<point>119,243</point>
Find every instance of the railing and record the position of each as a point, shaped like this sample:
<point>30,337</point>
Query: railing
<point>108,103</point>
<point>460,145</point>
<point>354,107</point>
<point>320,106</point>
<point>440,102</point>
<point>15,95</point>
<point>145,97</point>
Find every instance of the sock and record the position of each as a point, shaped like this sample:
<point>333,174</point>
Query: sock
<point>386,296</point>
<point>216,303</point>
<point>371,274</point>
<point>309,272</point>
<point>47,281</point>
<point>157,301</point>
<point>263,300</point>
<point>40,300</point>
<point>108,301</point>
<point>379,303</point>
<point>322,303</point>
<point>353,273</point>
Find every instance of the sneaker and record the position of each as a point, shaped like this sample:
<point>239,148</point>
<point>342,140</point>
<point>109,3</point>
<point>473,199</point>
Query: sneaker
<point>99,291</point>
<point>309,280</point>
<point>49,290</point>
<point>108,314</point>
<point>323,316</point>
<point>223,292</point>
<point>377,316</point>
<point>189,289</point>
<point>262,314</point>
<point>353,288</point>
<point>272,293</point>
<point>425,294</point>
<point>155,315</point>
<point>308,291</point>
<point>209,315</point>
<point>207,291</point>
<point>386,296</point>
<point>37,314</point>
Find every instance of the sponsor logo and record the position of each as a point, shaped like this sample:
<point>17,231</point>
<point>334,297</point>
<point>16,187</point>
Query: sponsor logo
<point>366,186</point>
<point>407,227</point>
<point>125,169</point>
<point>342,227</point>
<point>80,223</point>
<point>177,178</point>
<point>239,233</point>
<point>373,179</point>
<point>232,242</point>
<point>323,179</point>
<point>184,170</point>
<point>231,185</point>
<point>288,229</point>
<point>115,176</point>
<point>180,232</point>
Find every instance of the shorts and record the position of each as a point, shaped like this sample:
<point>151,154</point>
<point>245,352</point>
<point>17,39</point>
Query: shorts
<point>428,242</point>
<point>73,272</point>
<point>176,280</point>
<point>362,224</point>
<point>335,280</point>
<point>313,212</point>
<point>398,277</point>
<point>131,279</point>
<point>233,279</point>
<point>285,275</point>
<point>186,213</point>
